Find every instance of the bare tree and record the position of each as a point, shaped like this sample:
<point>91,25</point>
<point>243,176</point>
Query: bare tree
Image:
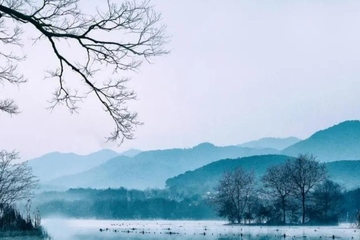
<point>277,184</point>
<point>28,211</point>
<point>37,219</point>
<point>16,179</point>
<point>357,219</point>
<point>305,173</point>
<point>118,38</point>
<point>233,194</point>
<point>327,201</point>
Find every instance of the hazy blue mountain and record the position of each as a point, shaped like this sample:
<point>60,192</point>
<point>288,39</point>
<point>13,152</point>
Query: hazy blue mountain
<point>340,142</point>
<point>345,173</point>
<point>131,152</point>
<point>152,168</point>
<point>270,142</point>
<point>54,165</point>
<point>204,179</point>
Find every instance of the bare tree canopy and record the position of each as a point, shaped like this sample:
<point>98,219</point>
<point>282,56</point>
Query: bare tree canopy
<point>277,184</point>
<point>233,194</point>
<point>16,179</point>
<point>305,173</point>
<point>292,192</point>
<point>327,201</point>
<point>118,38</point>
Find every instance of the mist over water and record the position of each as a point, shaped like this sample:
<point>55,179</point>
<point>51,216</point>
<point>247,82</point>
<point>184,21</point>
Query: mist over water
<point>71,229</point>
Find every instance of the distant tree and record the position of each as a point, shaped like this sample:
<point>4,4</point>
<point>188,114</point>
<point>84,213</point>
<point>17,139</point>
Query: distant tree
<point>263,213</point>
<point>116,37</point>
<point>352,205</point>
<point>253,208</point>
<point>16,179</point>
<point>233,194</point>
<point>37,219</point>
<point>16,183</point>
<point>327,201</point>
<point>11,220</point>
<point>277,184</point>
<point>305,173</point>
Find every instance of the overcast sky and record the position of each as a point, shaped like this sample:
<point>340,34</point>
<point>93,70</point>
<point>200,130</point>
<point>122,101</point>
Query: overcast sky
<point>238,71</point>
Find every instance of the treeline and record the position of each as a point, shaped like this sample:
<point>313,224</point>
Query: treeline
<point>161,204</point>
<point>123,204</point>
<point>295,192</point>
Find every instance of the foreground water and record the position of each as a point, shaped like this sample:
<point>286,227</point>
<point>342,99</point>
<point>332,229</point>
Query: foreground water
<point>197,230</point>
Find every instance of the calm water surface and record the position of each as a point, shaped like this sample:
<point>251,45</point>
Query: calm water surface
<point>61,229</point>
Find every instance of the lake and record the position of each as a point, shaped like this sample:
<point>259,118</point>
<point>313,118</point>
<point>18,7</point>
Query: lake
<point>65,229</point>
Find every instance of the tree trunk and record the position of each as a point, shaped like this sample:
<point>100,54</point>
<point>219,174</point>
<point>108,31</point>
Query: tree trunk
<point>283,210</point>
<point>303,208</point>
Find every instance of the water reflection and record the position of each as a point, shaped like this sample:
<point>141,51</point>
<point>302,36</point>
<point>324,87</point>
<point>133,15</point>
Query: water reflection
<point>176,230</point>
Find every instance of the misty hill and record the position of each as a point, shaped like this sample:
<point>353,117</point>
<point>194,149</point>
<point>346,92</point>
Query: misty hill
<point>275,143</point>
<point>204,179</point>
<point>152,168</point>
<point>339,142</point>
<point>131,152</point>
<point>54,165</point>
<point>345,173</point>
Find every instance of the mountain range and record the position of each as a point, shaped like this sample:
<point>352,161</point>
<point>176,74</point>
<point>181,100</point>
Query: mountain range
<point>71,163</point>
<point>339,142</point>
<point>57,164</point>
<point>151,169</point>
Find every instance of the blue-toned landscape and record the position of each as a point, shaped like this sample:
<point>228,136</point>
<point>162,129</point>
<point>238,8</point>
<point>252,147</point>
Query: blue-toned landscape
<point>150,119</point>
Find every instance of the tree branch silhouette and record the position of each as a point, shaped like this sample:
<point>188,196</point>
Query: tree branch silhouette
<point>97,37</point>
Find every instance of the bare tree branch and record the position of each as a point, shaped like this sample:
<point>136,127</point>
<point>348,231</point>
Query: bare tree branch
<point>233,194</point>
<point>119,38</point>
<point>16,179</point>
<point>305,173</point>
<point>9,106</point>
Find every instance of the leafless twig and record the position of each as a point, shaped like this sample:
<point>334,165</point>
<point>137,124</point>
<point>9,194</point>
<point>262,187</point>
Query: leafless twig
<point>16,179</point>
<point>120,37</point>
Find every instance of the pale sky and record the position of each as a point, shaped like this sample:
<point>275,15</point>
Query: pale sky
<point>238,71</point>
